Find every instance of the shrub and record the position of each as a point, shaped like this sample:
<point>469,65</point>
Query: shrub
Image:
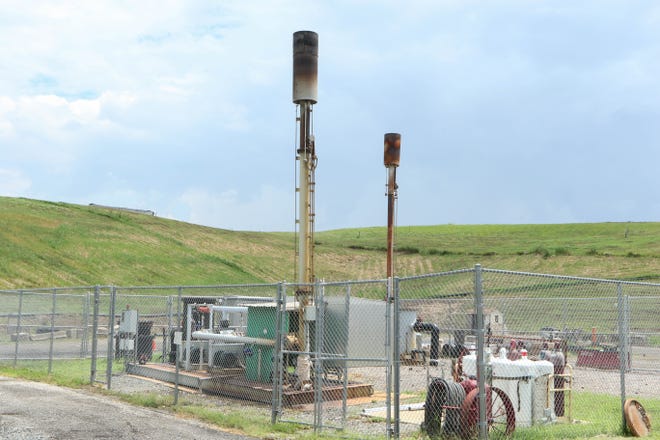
<point>540,250</point>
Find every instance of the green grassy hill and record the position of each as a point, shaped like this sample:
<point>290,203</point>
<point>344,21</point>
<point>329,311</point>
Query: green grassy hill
<point>45,244</point>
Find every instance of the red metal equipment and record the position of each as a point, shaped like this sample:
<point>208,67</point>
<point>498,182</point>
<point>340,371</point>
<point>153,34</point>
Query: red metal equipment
<point>500,414</point>
<point>452,409</point>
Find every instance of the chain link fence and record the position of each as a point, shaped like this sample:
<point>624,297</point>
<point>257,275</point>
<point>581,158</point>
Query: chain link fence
<point>462,353</point>
<point>541,343</point>
<point>39,326</point>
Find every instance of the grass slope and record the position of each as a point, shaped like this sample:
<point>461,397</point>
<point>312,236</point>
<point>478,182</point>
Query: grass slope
<point>57,244</point>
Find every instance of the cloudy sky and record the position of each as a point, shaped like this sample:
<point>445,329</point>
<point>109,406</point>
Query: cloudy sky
<point>510,111</point>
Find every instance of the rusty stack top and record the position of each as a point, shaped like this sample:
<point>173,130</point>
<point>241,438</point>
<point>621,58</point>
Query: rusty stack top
<point>392,149</point>
<point>305,66</point>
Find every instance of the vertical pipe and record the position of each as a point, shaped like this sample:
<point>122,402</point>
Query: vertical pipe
<point>305,90</point>
<point>52,333</point>
<point>304,219</point>
<point>95,338</point>
<point>111,337</point>
<point>481,367</point>
<point>396,358</point>
<point>391,194</point>
<point>392,146</point>
<point>18,325</point>
<point>305,94</point>
<point>388,362</point>
<point>177,368</point>
<point>305,222</point>
<point>622,352</point>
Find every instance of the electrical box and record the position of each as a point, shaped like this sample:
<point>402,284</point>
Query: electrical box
<point>129,321</point>
<point>126,344</point>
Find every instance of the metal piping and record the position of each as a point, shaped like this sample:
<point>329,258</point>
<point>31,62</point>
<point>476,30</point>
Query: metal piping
<point>429,327</point>
<point>392,144</point>
<point>232,338</point>
<point>305,94</point>
<point>307,157</point>
<point>391,159</point>
<point>236,309</point>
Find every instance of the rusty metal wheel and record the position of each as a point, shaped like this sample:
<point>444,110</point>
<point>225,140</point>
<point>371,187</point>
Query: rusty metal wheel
<point>637,419</point>
<point>500,414</point>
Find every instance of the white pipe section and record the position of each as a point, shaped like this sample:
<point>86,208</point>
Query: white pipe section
<point>236,309</point>
<point>232,338</point>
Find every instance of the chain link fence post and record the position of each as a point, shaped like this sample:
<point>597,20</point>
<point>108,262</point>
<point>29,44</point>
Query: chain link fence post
<point>319,329</point>
<point>278,367</point>
<point>481,364</point>
<point>396,358</point>
<point>85,325</point>
<point>623,320</point>
<point>388,357</point>
<point>95,338</point>
<point>18,326</point>
<point>111,336</point>
<point>52,334</point>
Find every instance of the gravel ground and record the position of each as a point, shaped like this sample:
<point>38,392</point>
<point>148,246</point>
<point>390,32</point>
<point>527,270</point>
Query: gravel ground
<point>413,380</point>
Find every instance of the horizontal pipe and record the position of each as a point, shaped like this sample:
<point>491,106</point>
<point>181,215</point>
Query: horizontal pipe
<point>232,338</point>
<point>241,309</point>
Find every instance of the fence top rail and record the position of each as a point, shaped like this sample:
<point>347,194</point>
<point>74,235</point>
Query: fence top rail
<point>62,290</point>
<point>49,290</point>
<point>572,278</point>
<point>152,287</point>
<point>438,274</point>
<point>199,287</point>
<point>344,283</point>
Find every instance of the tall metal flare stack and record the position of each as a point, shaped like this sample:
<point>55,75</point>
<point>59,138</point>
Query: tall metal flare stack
<point>305,94</point>
<point>392,145</point>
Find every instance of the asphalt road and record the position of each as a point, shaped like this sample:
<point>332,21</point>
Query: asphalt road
<point>38,411</point>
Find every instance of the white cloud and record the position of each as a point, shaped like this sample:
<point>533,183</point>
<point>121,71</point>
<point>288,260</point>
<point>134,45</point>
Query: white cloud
<point>269,210</point>
<point>13,183</point>
<point>7,106</point>
<point>177,94</point>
